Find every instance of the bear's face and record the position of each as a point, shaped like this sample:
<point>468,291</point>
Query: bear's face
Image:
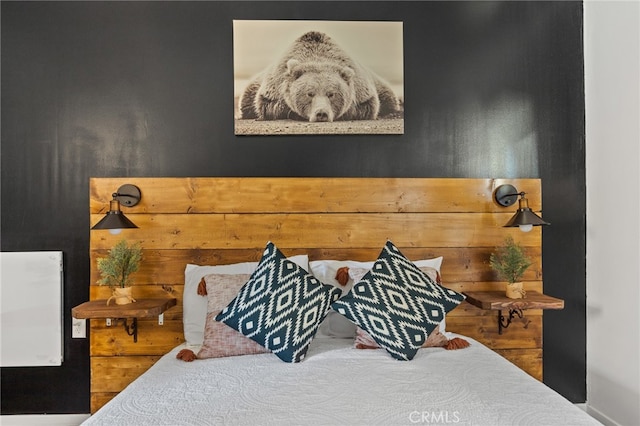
<point>318,91</point>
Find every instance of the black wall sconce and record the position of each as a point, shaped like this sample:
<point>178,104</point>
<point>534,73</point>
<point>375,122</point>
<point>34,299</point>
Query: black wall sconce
<point>525,218</point>
<point>115,221</point>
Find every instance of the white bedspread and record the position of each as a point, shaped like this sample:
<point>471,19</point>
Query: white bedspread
<point>339,385</point>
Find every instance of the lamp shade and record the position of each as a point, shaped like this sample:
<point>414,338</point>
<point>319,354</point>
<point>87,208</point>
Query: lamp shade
<point>115,220</point>
<point>525,217</point>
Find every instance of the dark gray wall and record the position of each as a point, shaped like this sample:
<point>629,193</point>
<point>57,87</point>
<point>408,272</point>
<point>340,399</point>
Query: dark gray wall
<point>145,89</point>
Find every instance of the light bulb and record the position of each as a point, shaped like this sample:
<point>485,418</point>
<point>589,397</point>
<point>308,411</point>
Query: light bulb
<point>115,231</point>
<point>526,228</point>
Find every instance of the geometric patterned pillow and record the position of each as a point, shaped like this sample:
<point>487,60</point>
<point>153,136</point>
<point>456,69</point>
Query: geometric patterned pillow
<point>220,340</point>
<point>436,338</point>
<point>356,275</point>
<point>280,307</point>
<point>397,304</point>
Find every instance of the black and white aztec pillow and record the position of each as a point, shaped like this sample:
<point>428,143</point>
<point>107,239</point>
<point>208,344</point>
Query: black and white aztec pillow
<point>280,307</point>
<point>397,303</point>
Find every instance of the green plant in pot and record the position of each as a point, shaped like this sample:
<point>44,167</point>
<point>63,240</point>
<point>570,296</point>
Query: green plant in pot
<point>116,269</point>
<point>511,262</point>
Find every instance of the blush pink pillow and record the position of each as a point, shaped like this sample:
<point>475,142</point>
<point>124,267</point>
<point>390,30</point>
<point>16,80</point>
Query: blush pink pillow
<point>365,341</point>
<point>220,340</point>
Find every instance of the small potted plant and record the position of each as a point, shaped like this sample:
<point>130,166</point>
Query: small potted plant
<point>510,262</point>
<point>116,269</point>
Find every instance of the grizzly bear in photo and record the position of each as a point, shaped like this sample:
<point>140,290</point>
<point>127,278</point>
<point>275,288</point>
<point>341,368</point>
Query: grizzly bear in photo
<point>317,81</point>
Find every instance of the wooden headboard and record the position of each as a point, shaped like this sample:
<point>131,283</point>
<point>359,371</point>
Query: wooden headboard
<point>210,221</point>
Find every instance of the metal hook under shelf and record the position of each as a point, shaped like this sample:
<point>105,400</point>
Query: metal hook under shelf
<point>131,329</point>
<point>505,322</point>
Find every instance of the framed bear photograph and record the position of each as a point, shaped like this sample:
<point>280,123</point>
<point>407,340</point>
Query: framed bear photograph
<point>318,77</point>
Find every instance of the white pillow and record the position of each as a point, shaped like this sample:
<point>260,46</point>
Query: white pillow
<point>434,263</point>
<point>194,307</point>
<point>336,325</point>
<point>326,270</point>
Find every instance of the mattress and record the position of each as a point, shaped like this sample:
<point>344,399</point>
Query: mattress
<point>339,385</point>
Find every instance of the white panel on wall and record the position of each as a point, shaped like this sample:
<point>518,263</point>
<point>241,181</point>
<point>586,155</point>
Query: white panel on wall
<point>31,317</point>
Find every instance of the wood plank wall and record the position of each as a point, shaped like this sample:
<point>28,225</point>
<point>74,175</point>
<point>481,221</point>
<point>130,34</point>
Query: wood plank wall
<point>210,221</point>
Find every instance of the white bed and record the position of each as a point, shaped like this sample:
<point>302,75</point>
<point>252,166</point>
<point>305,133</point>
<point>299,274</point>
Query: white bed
<point>339,385</point>
<point>333,383</point>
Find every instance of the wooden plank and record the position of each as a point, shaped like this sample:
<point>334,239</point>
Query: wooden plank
<point>529,360</point>
<point>113,374</point>
<point>99,399</point>
<point>485,330</point>
<point>494,286</point>
<point>339,230</point>
<point>165,268</point>
<point>153,339</point>
<point>251,195</point>
<point>175,313</point>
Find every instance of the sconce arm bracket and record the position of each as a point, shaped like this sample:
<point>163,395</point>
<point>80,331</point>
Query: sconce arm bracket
<point>506,195</point>
<point>128,195</point>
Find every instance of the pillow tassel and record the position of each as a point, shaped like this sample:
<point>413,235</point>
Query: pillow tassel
<point>186,355</point>
<point>202,287</point>
<point>363,346</point>
<point>342,275</point>
<point>456,343</point>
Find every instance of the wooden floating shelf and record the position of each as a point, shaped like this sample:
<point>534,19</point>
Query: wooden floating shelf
<point>497,301</point>
<point>141,308</point>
